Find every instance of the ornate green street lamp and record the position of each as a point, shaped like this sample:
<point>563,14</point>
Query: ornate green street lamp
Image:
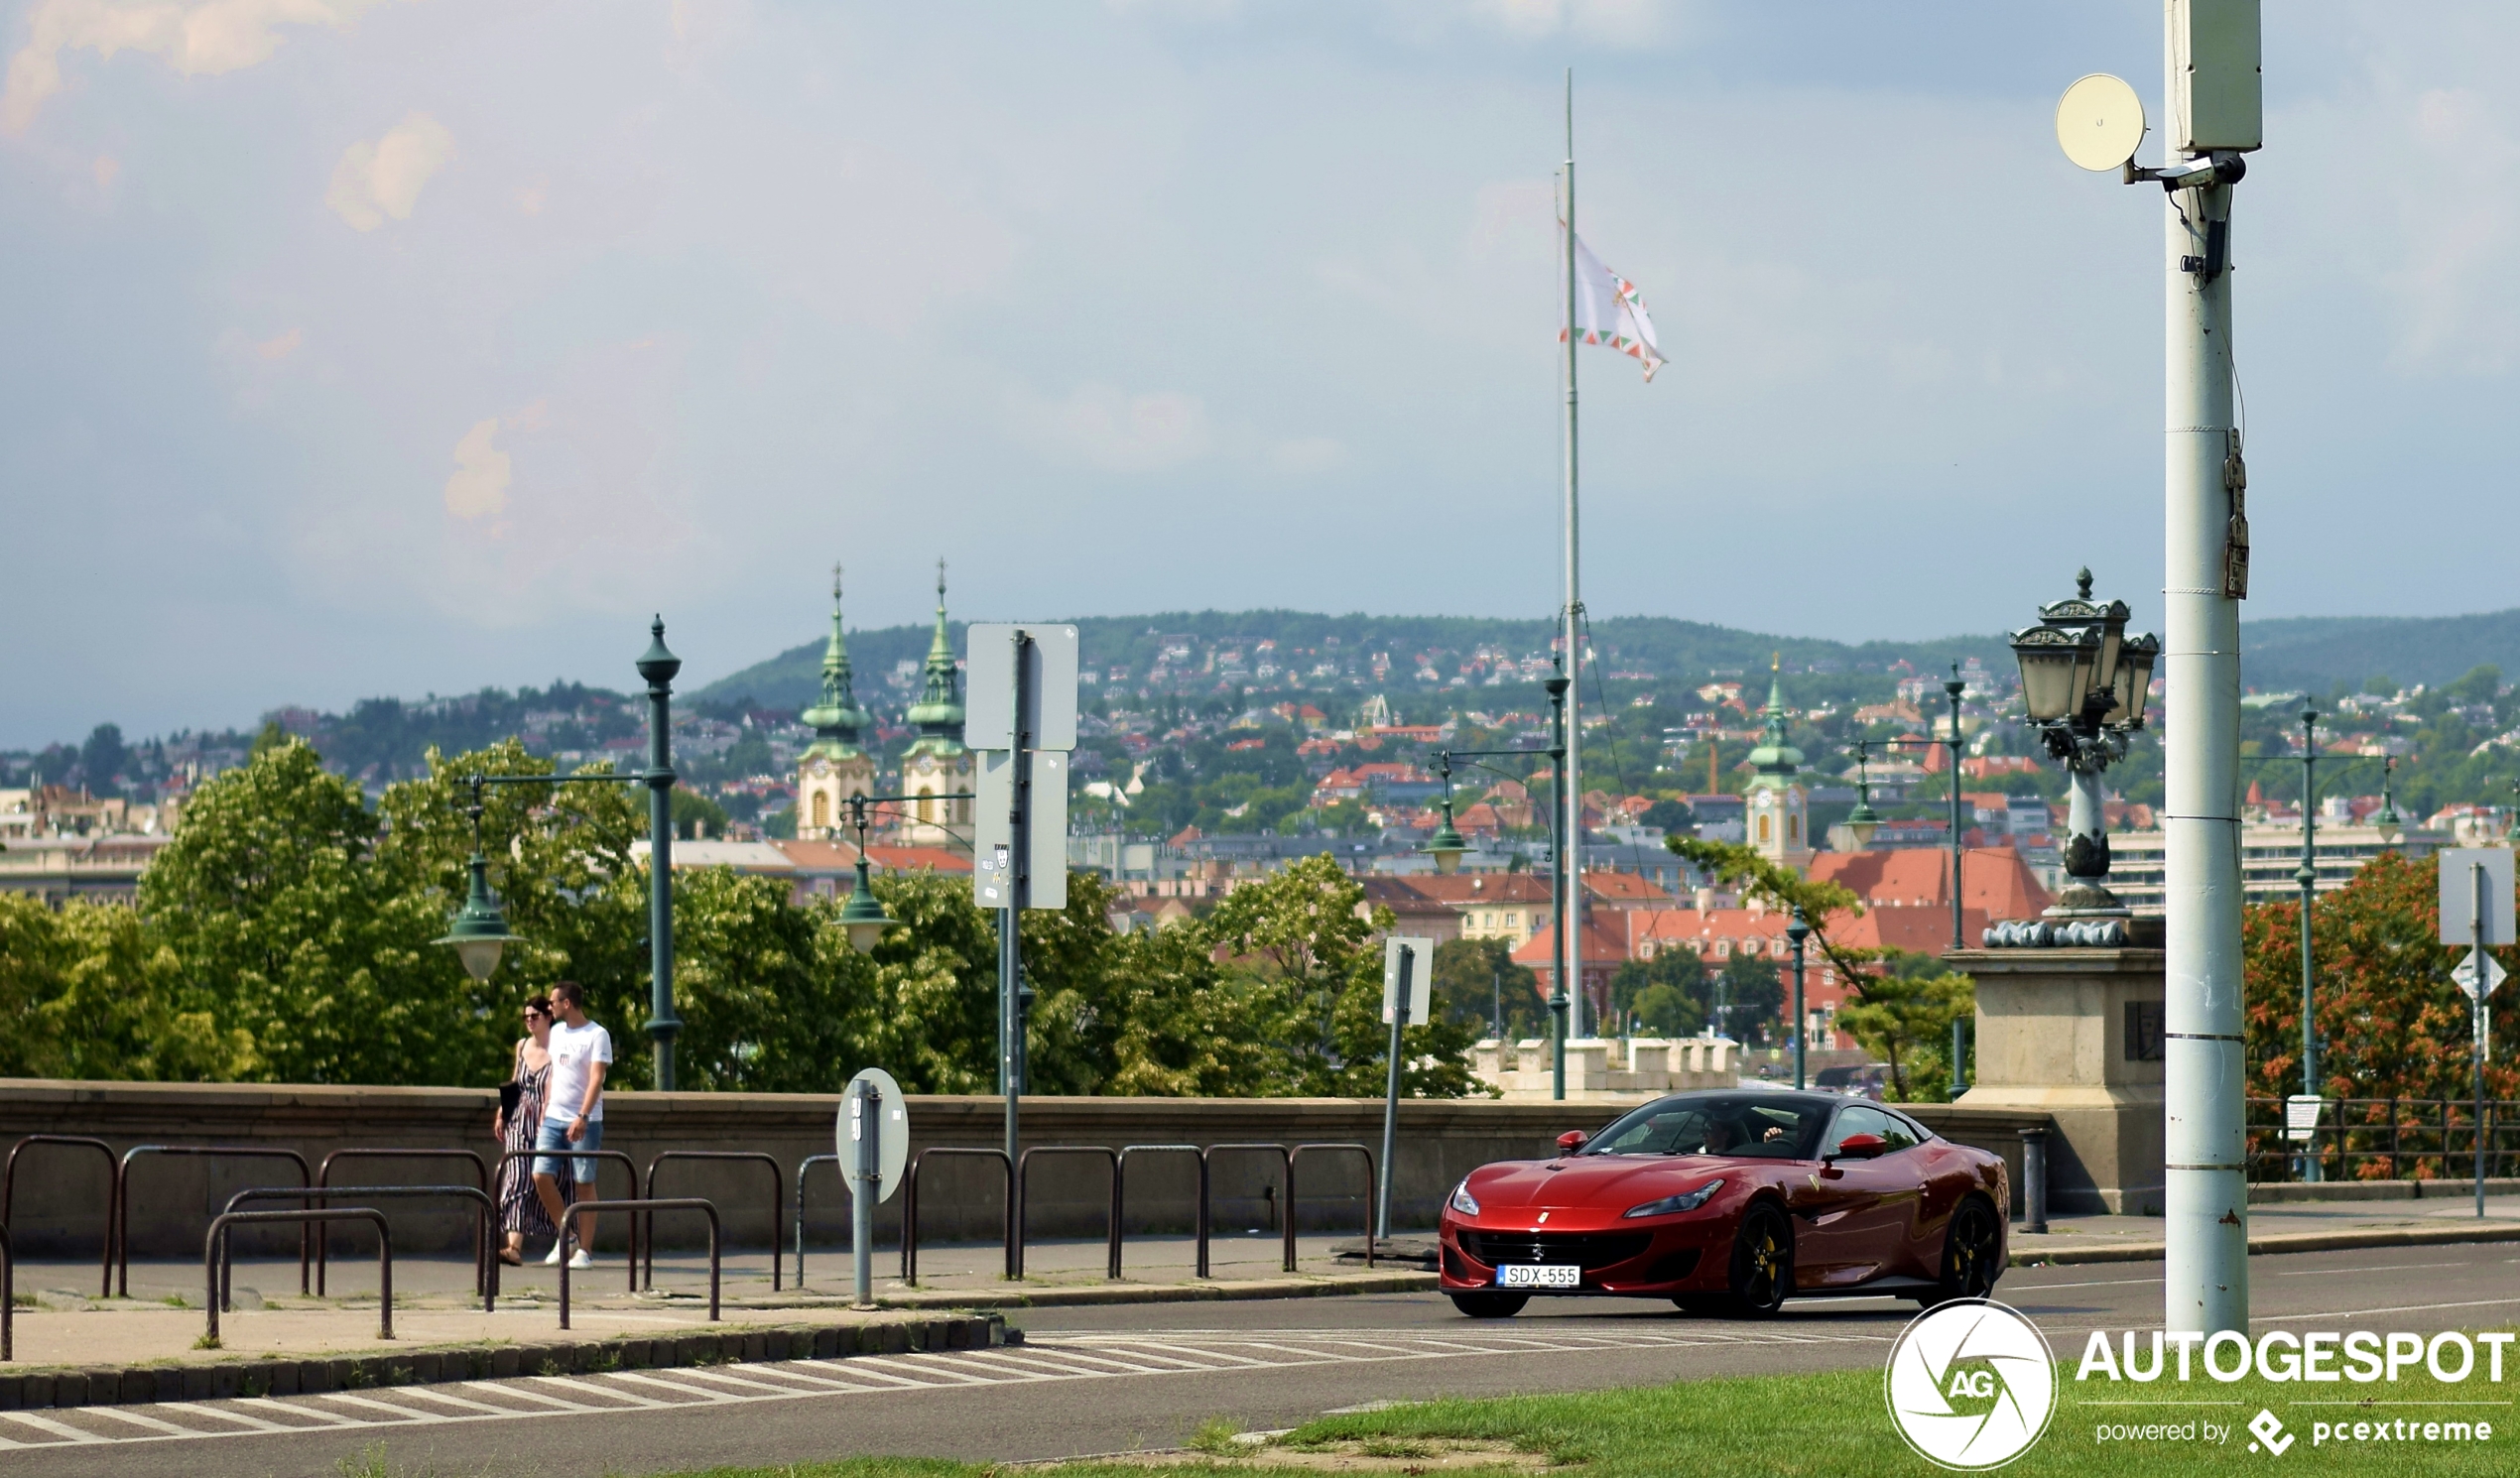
<point>1864,823</point>
<point>863,915</point>
<point>479,929</point>
<point>2392,825</point>
<point>2085,683</point>
<point>1447,845</point>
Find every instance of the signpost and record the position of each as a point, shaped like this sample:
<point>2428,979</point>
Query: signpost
<point>874,1144</point>
<point>1021,718</point>
<point>1408,990</point>
<point>2476,912</point>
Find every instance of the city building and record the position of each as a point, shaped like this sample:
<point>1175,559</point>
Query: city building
<point>833,768</point>
<point>1779,808</point>
<point>2270,858</point>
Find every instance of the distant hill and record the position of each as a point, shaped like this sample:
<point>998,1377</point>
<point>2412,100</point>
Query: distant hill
<point>1655,645</point>
<point>2312,652</point>
<point>2318,652</point>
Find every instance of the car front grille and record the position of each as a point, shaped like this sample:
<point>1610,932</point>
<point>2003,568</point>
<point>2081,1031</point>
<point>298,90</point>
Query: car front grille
<point>1587,1250</point>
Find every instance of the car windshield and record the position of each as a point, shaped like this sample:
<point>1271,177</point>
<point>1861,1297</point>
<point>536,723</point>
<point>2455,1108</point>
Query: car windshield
<point>1762,1126</point>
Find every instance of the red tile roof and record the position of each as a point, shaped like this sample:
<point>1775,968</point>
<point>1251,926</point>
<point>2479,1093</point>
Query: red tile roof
<point>1994,880</point>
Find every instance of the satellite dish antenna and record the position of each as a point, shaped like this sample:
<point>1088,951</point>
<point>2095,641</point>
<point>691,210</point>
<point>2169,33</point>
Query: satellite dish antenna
<point>2099,122</point>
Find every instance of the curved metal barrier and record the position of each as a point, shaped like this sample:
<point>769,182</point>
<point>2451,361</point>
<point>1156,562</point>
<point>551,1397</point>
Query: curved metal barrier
<point>8,1295</point>
<point>910,1207</point>
<point>629,1168</point>
<point>212,1245</point>
<point>1119,1173</point>
<point>481,1237</point>
<point>1286,1161</point>
<point>122,1198</point>
<point>1024,1164</point>
<point>113,1187</point>
<point>1296,1153</point>
<point>778,1201</point>
<point>486,1280</point>
<point>806,1164</point>
<point>634,1208</point>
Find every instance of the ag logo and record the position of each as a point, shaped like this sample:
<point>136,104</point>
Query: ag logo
<point>2269,1429</point>
<point>1970,1384</point>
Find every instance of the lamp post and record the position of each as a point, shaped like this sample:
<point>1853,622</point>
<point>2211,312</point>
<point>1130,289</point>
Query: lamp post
<point>1795,933</point>
<point>1561,999</point>
<point>2084,683</point>
<point>2307,875</point>
<point>479,931</point>
<point>2392,826</point>
<point>1863,823</point>
<point>863,917</point>
<point>1446,846</point>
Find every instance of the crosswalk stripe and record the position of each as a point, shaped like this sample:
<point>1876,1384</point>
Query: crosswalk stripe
<point>589,1387</point>
<point>275,1403</point>
<point>56,1428</point>
<point>523,1393</point>
<point>701,1392</point>
<point>387,1406</point>
<point>137,1418</point>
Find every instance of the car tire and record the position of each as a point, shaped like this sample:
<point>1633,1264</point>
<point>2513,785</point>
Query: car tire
<point>1970,1243</point>
<point>1490,1306</point>
<point>1762,1262</point>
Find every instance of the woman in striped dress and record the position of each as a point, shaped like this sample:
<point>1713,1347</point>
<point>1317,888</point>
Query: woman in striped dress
<point>521,1212</point>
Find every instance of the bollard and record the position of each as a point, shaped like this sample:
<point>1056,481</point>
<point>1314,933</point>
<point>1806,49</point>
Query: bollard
<point>2034,1180</point>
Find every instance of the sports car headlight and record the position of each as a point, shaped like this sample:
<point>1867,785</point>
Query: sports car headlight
<point>1687,1200</point>
<point>1462,1201</point>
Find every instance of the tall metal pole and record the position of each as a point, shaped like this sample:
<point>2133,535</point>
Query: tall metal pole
<point>658,666</point>
<point>1796,931</point>
<point>1010,951</point>
<point>1391,1097</point>
<point>866,1178</point>
<point>1559,996</point>
<point>1953,688</point>
<point>2476,1020</point>
<point>2308,876</point>
<point>1571,794</point>
<point>2205,1275</point>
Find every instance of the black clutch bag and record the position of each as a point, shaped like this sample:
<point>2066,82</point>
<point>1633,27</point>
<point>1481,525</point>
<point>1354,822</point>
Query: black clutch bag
<point>510,1095</point>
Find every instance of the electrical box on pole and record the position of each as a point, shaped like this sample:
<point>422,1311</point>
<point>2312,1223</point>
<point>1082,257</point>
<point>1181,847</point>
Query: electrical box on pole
<point>2217,93</point>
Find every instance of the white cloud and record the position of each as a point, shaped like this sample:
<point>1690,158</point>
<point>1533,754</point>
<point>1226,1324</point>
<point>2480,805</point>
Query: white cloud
<point>281,345</point>
<point>479,486</point>
<point>375,180</point>
<point>204,38</point>
<point>1117,431</point>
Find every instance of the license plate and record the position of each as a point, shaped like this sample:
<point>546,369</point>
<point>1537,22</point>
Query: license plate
<point>1540,1275</point>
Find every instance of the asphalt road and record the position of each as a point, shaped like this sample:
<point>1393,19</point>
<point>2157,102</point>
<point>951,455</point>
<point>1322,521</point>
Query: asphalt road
<point>1103,1380</point>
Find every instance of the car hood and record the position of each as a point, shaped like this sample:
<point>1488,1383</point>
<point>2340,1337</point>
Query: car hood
<point>1592,1179</point>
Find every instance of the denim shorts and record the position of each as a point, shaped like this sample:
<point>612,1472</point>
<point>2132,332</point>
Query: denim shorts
<point>553,1135</point>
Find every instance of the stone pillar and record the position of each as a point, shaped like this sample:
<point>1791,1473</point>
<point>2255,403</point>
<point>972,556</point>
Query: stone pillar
<point>2076,1034</point>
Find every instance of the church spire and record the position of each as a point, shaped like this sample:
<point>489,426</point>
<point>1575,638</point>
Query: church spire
<point>1775,760</point>
<point>836,719</point>
<point>938,711</point>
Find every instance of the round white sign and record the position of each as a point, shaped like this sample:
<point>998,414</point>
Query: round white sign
<point>892,1142</point>
<point>1970,1384</point>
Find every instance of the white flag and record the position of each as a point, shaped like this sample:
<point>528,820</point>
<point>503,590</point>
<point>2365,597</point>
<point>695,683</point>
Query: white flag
<point>1610,310</point>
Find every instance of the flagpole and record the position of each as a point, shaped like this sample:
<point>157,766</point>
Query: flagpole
<point>1569,938</point>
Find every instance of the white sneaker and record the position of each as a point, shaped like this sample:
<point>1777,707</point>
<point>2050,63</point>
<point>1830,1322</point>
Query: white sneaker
<point>552,1260</point>
<point>581,1260</point>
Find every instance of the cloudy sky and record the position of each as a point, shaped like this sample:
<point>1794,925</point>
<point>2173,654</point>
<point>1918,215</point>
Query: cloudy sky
<point>382,347</point>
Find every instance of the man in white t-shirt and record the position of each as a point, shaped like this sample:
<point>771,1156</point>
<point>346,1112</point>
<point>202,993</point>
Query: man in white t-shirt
<point>573,1113</point>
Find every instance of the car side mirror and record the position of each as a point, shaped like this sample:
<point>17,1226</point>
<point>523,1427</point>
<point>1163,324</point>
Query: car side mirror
<point>1859,1147</point>
<point>1571,1141</point>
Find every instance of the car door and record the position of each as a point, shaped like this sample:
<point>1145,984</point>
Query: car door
<point>1853,1215</point>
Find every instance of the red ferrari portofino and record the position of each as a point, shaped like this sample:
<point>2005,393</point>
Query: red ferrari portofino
<point>1733,1201</point>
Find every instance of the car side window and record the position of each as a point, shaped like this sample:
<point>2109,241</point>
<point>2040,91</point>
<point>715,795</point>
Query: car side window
<point>1855,1119</point>
<point>1905,1133</point>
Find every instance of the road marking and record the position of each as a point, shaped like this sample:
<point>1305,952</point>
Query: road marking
<point>56,1428</point>
<point>387,1406</point>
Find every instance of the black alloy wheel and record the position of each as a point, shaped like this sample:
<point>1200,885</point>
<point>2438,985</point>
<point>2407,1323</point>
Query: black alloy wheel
<point>1762,1262</point>
<point>1969,1265</point>
<point>1490,1306</point>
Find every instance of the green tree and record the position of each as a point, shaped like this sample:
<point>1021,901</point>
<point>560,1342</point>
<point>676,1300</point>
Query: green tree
<point>1302,932</point>
<point>1664,995</point>
<point>1472,975</point>
<point>87,994</point>
<point>1905,1020</point>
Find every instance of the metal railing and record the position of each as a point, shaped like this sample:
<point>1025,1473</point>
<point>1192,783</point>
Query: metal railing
<point>1285,1194</point>
<point>482,1234</point>
<point>777,1202</point>
<point>113,1186</point>
<point>214,1246</point>
<point>1023,1167</point>
<point>1120,1174</point>
<point>910,1205</point>
<point>8,1296</point>
<point>2416,1139</point>
<point>122,1200</point>
<point>485,1283</point>
<point>806,1164</point>
<point>1295,1158</point>
<point>633,1208</point>
<point>629,1167</point>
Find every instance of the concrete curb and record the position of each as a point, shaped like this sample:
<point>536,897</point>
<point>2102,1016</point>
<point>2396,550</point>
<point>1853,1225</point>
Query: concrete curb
<point>2348,1241</point>
<point>136,1385</point>
<point>1086,1294</point>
